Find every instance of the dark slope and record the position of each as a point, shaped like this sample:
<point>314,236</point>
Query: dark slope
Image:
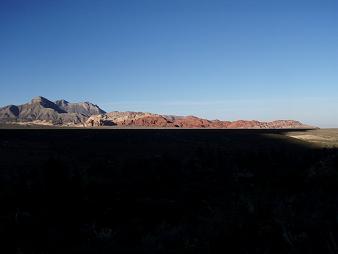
<point>166,191</point>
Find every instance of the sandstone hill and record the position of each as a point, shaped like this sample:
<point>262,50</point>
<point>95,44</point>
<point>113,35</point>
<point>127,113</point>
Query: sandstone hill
<point>140,119</point>
<point>85,114</point>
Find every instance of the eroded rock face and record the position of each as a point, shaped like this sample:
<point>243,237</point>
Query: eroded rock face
<point>285,124</point>
<point>128,119</point>
<point>118,117</point>
<point>94,121</point>
<point>192,122</point>
<point>245,124</point>
<point>98,120</point>
<point>148,121</point>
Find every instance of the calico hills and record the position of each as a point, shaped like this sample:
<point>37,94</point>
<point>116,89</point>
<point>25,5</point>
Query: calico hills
<point>41,111</point>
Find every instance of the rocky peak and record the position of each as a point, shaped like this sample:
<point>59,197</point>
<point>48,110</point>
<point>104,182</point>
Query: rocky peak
<point>40,100</point>
<point>45,103</point>
<point>84,108</point>
<point>62,103</point>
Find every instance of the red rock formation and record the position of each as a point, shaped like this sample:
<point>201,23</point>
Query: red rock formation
<point>147,121</point>
<point>141,119</point>
<point>220,124</point>
<point>242,124</point>
<point>192,122</point>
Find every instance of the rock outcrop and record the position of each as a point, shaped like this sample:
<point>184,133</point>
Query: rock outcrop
<point>128,119</point>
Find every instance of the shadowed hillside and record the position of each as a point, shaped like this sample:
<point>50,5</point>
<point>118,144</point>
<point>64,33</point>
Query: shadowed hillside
<point>166,191</point>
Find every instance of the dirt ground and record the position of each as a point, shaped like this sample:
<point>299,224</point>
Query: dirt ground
<point>320,137</point>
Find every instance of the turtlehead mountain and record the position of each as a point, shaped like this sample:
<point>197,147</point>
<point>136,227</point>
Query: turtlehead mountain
<point>41,111</point>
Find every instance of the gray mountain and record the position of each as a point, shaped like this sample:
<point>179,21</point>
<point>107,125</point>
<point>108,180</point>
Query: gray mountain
<point>84,108</point>
<point>41,109</point>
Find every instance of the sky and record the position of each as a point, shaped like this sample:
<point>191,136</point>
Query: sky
<point>228,60</point>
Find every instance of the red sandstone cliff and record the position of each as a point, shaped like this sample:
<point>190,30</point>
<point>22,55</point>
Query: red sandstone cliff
<point>141,119</point>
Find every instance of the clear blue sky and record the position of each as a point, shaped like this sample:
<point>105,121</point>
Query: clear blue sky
<point>230,59</point>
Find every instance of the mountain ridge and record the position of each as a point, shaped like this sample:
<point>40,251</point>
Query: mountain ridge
<point>85,114</point>
<point>41,110</point>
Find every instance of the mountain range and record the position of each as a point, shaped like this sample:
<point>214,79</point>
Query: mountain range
<point>41,111</point>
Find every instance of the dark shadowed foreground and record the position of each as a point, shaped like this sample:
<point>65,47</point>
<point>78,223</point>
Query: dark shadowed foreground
<point>166,191</point>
